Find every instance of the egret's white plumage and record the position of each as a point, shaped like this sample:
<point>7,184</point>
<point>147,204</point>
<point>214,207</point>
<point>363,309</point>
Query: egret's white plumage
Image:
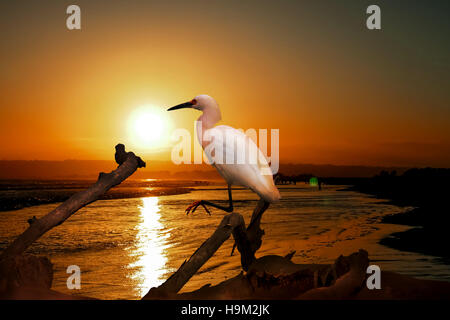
<point>254,172</point>
<point>223,143</point>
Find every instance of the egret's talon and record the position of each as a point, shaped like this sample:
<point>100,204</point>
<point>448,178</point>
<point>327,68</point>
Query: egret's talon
<point>194,207</point>
<point>206,209</point>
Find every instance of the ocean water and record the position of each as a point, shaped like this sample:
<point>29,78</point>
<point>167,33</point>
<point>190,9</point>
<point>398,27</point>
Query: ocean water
<point>126,246</point>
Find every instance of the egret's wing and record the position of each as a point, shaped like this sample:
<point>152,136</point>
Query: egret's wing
<point>239,161</point>
<point>231,146</point>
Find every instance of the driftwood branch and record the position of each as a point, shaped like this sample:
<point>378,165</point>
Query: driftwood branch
<point>254,232</point>
<point>248,241</point>
<point>275,277</point>
<point>232,223</point>
<point>128,164</point>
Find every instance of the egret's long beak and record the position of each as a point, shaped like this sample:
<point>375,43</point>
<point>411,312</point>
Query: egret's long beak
<point>181,106</point>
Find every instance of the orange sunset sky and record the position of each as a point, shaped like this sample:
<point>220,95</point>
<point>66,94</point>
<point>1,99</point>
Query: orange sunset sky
<point>338,92</point>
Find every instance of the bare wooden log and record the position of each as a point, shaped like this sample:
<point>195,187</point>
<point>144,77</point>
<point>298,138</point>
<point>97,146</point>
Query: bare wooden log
<point>105,182</point>
<point>231,223</point>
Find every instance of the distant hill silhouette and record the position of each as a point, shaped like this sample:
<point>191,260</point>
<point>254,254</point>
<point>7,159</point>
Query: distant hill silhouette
<point>89,169</point>
<point>338,171</point>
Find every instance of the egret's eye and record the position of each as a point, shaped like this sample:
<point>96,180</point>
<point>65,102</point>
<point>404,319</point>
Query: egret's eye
<point>194,102</point>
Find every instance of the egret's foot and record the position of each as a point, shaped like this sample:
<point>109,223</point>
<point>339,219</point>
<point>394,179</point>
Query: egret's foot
<point>194,207</point>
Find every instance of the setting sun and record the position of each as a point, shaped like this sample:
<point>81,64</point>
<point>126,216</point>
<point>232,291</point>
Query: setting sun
<point>147,126</point>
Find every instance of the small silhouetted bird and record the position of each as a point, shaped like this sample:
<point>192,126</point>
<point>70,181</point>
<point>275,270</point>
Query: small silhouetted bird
<point>121,156</point>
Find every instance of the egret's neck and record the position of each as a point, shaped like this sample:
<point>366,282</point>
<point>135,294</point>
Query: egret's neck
<point>206,121</point>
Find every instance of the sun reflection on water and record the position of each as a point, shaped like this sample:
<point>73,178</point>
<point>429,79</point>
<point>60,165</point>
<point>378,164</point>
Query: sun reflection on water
<point>151,243</point>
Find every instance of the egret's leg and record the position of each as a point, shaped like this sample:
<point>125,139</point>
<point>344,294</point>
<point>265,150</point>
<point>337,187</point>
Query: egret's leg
<point>203,203</point>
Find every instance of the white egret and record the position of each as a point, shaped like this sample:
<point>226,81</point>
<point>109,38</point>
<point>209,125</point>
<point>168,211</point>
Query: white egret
<point>255,175</point>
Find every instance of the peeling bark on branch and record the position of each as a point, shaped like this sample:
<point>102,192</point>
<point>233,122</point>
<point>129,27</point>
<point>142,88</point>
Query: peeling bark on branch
<point>105,182</point>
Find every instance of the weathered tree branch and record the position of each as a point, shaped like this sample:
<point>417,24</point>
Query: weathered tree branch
<point>254,232</point>
<point>231,223</point>
<point>128,164</point>
<point>247,241</point>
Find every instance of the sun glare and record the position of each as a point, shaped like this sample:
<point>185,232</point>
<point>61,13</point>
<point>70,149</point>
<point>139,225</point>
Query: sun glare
<point>151,246</point>
<point>147,127</point>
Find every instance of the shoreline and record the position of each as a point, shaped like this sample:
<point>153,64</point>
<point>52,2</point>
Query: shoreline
<point>17,194</point>
<point>426,193</point>
<point>422,238</point>
<point>17,203</point>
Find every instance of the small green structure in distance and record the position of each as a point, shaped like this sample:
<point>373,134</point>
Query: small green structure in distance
<point>313,182</point>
